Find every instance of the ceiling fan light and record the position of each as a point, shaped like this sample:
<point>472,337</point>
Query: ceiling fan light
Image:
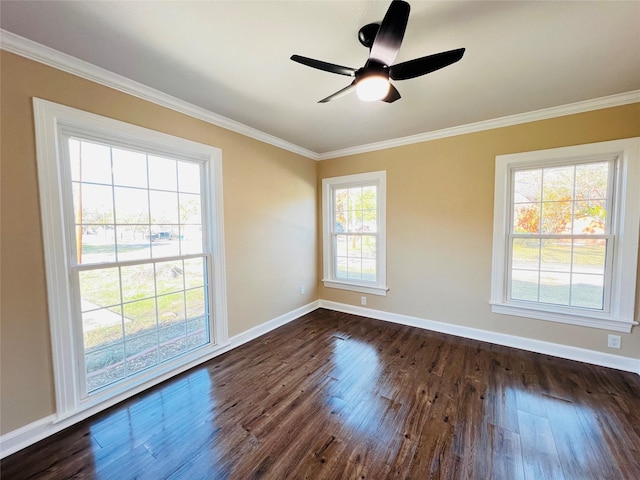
<point>372,88</point>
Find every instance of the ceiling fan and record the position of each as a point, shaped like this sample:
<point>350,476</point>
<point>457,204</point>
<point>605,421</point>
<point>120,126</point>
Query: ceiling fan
<point>371,82</point>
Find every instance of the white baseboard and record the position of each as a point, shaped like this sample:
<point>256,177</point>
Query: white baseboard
<point>266,327</point>
<point>24,436</point>
<point>619,362</point>
<point>29,434</point>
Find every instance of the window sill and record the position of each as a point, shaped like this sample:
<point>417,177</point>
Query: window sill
<point>356,287</point>
<point>582,318</point>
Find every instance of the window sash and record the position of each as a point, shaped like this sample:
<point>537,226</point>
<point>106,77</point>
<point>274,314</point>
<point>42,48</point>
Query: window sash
<point>606,275</point>
<point>331,278</point>
<point>53,123</point>
<point>621,233</point>
<point>335,257</point>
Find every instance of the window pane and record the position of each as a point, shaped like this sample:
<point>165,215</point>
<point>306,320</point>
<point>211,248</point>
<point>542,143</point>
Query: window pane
<point>171,308</point>
<point>341,268</point>
<point>95,163</point>
<point>589,256</point>
<point>527,186</point>
<point>98,244</point>
<point>341,245</point>
<point>138,282</point>
<point>354,198</point>
<point>526,218</point>
<point>587,291</point>
<point>101,327</point>
<point>97,204</point>
<point>162,174</point>
<point>355,221</point>
<point>133,242</point>
<point>354,268</point>
<point>99,288</point>
<point>590,217</point>
<point>592,181</point>
<point>134,324</point>
<point>191,239</point>
<point>190,209</point>
<point>139,317</point>
<point>555,255</point>
<point>369,201</point>
<point>188,177</point>
<point>132,205</point>
<point>173,341</point>
<point>341,202</point>
<point>369,221</point>
<point>524,285</point>
<point>354,245</point>
<point>164,207</point>
<point>129,168</point>
<point>194,273</point>
<point>556,217</point>
<point>197,332</point>
<point>555,288</point>
<point>141,352</point>
<point>196,302</point>
<point>368,246</point>
<point>525,254</point>
<point>557,183</point>
<point>369,270</point>
<point>165,241</point>
<point>104,366</point>
<point>169,277</point>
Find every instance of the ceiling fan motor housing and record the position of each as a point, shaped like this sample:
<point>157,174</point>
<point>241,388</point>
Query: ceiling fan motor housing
<point>367,34</point>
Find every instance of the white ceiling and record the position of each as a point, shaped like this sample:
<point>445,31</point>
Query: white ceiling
<point>232,58</point>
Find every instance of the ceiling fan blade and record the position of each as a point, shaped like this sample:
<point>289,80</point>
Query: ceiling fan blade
<point>422,66</point>
<point>339,93</point>
<point>392,96</point>
<point>327,67</point>
<point>390,34</point>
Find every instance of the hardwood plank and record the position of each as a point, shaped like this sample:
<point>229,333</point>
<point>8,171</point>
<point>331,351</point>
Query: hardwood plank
<point>506,454</point>
<point>539,454</point>
<point>337,396</point>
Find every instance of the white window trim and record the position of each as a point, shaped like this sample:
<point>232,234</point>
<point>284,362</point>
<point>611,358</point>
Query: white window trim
<point>328,186</point>
<point>51,120</point>
<point>625,227</point>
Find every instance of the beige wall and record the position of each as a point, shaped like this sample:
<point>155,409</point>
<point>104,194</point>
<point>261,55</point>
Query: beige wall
<point>269,212</point>
<point>440,221</point>
<point>440,209</point>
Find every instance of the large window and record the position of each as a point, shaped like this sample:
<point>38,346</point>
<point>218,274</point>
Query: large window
<point>566,234</point>
<point>354,232</point>
<point>131,220</point>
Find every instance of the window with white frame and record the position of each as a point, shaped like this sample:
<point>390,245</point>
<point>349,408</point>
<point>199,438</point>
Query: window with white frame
<point>354,236</point>
<point>566,226</point>
<point>131,222</point>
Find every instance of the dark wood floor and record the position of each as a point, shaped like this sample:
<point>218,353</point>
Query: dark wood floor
<point>335,396</point>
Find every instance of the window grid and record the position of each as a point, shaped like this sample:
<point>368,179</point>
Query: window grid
<point>354,232</point>
<point>354,236</point>
<point>139,336</point>
<point>544,235</point>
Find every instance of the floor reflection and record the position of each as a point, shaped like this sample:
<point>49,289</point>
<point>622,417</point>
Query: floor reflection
<point>155,425</point>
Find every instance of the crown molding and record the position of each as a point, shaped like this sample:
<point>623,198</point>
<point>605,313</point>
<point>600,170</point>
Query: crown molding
<point>48,56</point>
<point>35,51</point>
<point>543,114</point>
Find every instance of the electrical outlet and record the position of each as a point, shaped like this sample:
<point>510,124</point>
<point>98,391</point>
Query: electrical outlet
<point>613,341</point>
<point>301,289</point>
<point>363,300</point>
